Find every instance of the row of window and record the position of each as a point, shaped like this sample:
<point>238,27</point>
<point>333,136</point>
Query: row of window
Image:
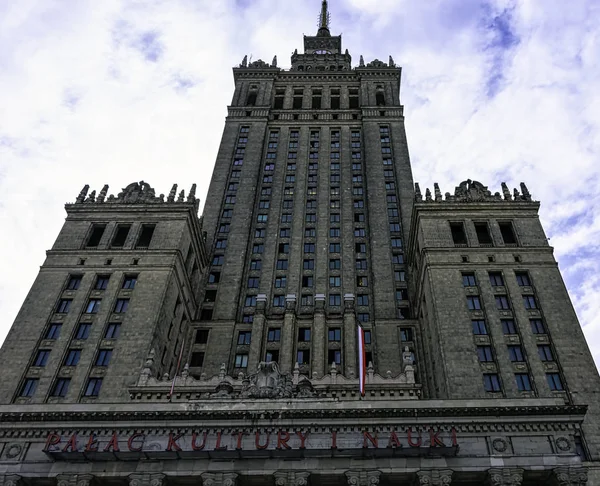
<point>482,231</point>
<point>497,279</point>
<point>83,331</point>
<point>502,302</point>
<point>491,382</point>
<point>101,283</point>
<point>61,387</point>
<point>72,357</point>
<point>120,235</point>
<point>316,97</point>
<point>93,306</point>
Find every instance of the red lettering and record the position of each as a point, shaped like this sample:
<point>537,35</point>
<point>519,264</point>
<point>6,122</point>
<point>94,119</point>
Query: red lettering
<point>283,436</point>
<point>240,437</point>
<point>257,441</point>
<point>71,444</point>
<point>367,437</point>
<point>92,445</point>
<point>454,438</point>
<point>196,447</point>
<point>51,442</point>
<point>302,439</point>
<point>334,439</point>
<point>132,439</point>
<point>218,446</point>
<point>434,439</point>
<point>113,444</point>
<point>394,442</point>
<point>410,440</point>
<point>172,444</point>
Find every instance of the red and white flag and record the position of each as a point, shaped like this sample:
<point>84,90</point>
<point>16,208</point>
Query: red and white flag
<point>176,370</point>
<point>362,364</point>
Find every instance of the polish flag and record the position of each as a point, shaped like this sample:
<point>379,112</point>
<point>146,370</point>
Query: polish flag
<point>362,364</point>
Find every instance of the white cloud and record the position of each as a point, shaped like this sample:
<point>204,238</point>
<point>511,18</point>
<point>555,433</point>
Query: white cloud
<point>117,91</point>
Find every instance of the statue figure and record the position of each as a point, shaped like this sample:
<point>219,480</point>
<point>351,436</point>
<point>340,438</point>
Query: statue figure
<point>408,357</point>
<point>361,62</point>
<point>274,63</point>
<point>244,61</point>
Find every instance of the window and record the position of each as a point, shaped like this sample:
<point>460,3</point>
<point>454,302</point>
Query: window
<point>362,281</point>
<point>334,218</point>
<point>469,280</point>
<point>221,244</point>
<point>401,294</point>
<point>334,247</point>
<point>311,218</point>
<point>307,281</point>
<point>400,276</point>
<point>74,282</point>
<point>523,279</point>
<point>363,316</point>
<point>523,382</point>
<point>83,331</point>
<point>508,234</point>
<point>303,357</point>
<point>388,173</point>
<point>357,179</point>
<point>360,247</point>
<point>102,282</point>
<point>304,335</point>
<point>96,235</point>
<point>272,356</point>
<point>241,361</point>
<point>335,166</point>
<point>335,299</point>
<point>248,318</point>
<point>93,306</point>
<point>121,306</point>
<point>289,179</point>
<point>271,156</point>
<point>63,306</point>
<point>394,228</point>
<point>502,302</point>
<point>545,353</point>
<point>356,165</point>
<point>42,357</point>
<point>309,247</point>
<point>274,335</point>
<point>398,258</point>
<point>29,387</point>
<point>335,264</point>
<point>334,178</point>
<point>529,301</point>
<point>484,353</point>
<point>390,186</point>
<point>310,233</point>
<point>479,327</point>
<point>218,260</point>
<point>224,228</point>
<point>201,336</point>
<point>379,99</point>
<point>491,382</point>
<point>250,301</point>
<point>334,233</point>
<point>308,264</point>
<point>237,162</point>
<point>244,338</point>
<point>496,279</point>
<point>280,282</point>
<point>264,204</point>
<point>255,264</point>
<point>458,234</point>
<point>103,357</point>
<point>284,247</point>
<point>282,265</point>
<point>537,326</point>
<point>362,300</point>
<point>334,356</point>
<point>251,101</point>
<point>267,179</point>
<point>483,234</point>
<point>61,387</point>
<point>406,334</point>
<point>515,353</point>
<point>359,217</point>
<point>473,302</point>
<point>396,243</point>
<point>393,213</point>
<point>334,191</point>
<point>335,281</point>
<point>306,300</point>
<point>258,248</point>
<point>260,233</point>
<point>266,191</point>
<point>359,203</point>
<point>53,331</point>
<point>334,334</point>
<point>145,236</point>
<point>73,357</point>
<point>367,337</point>
<point>387,161</point>
<point>508,326</point>
<point>284,233</point>
<point>554,381</point>
<point>279,301</point>
<point>360,233</point>
<point>129,282</point>
<point>361,264</point>
<point>253,283</point>
<point>233,186</point>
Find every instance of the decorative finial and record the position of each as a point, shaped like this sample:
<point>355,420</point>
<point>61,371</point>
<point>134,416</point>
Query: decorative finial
<point>324,19</point>
<point>418,195</point>
<point>361,63</point>
<point>192,195</point>
<point>392,63</point>
<point>171,197</point>
<point>274,63</point>
<point>428,195</point>
<point>181,197</point>
<point>91,198</point>
<point>83,193</point>
<point>525,191</point>
<point>244,61</point>
<point>506,192</point>
<point>102,194</point>
<point>438,193</point>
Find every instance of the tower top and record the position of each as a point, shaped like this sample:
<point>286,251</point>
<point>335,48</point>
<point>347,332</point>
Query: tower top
<point>324,19</point>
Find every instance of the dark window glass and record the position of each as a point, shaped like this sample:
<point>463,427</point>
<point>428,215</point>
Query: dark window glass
<point>469,280</point>
<point>491,382</point>
<point>96,235</point>
<point>42,357</point>
<point>367,337</point>
<point>502,302</point>
<point>272,356</point>
<point>508,234</point>
<point>484,353</point>
<point>306,299</point>
<point>129,282</point>
<point>308,264</point>
<point>248,318</point>
<point>53,331</point>
<point>334,334</point>
<point>74,282</point>
<point>363,316</point>
<point>523,382</point>
<point>334,356</point>
<point>145,236</point>
<point>274,335</point>
<point>479,327</point>
<point>523,279</point>
<point>496,279</point>
<point>93,306</point>
<point>201,336</point>
<point>214,277</point>
<point>83,331</point>
<point>61,387</point>
<point>63,306</point>
<point>545,353</point>
<point>253,283</point>
<point>310,233</point>
<point>335,281</point>
<point>102,282</point>
<point>537,326</point>
<point>483,234</point>
<point>241,361</point>
<point>112,331</point>
<point>473,302</point>
<point>515,353</point>
<point>282,264</point>
<point>508,326</point>
<point>279,301</point>
<point>335,264</point>
<point>121,305</point>
<point>458,234</point>
<point>554,381</point>
<point>250,301</point>
<point>29,387</point>
<point>255,264</point>
<point>103,358</point>
<point>379,99</point>
<point>304,334</point>
<point>307,281</point>
<point>529,301</point>
<point>121,235</point>
<point>92,388</point>
<point>406,334</point>
<point>303,357</point>
<point>335,299</point>
<point>362,299</point>
<point>73,357</point>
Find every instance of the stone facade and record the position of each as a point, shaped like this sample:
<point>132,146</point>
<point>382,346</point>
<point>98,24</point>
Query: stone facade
<point>158,348</point>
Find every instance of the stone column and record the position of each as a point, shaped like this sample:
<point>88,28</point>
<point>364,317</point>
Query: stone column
<point>258,333</point>
<point>219,479</point>
<point>291,478</point>
<point>74,480</point>
<point>319,339</point>
<point>504,477</point>
<point>145,479</point>
<point>435,477</point>
<point>350,337</point>
<point>570,476</point>
<point>10,480</point>
<point>287,359</point>
<point>363,478</point>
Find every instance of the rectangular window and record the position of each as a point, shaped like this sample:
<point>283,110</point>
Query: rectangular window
<point>361,264</point>
<point>83,331</point>
<point>335,281</point>
<point>529,301</point>
<point>284,233</point>
<point>255,265</point>
<point>515,353</point>
<point>121,306</point>
<point>523,279</point>
<point>63,306</point>
<point>335,299</point>
<point>264,204</point>
<point>334,334</point>
<point>224,228</point>
<point>362,300</point>
<point>554,381</point>
<point>280,282</point>
<point>334,233</point>
<point>335,264</point>
<point>502,302</point>
<point>398,258</point>
<point>267,179</point>
<point>307,281</point>
<point>248,318</point>
<point>221,244</point>
<point>145,236</point>
<point>53,331</point>
<point>508,233</point>
<point>310,233</point>
<point>304,335</point>
<point>96,235</point>
<point>334,247</point>
<point>399,275</point>
<point>362,281</point>
<point>218,260</point>
<point>496,279</point>
<point>112,331</point>
<point>259,248</point>
<point>309,247</point>
<point>406,334</point>
<point>120,235</point>
<point>250,301</point>
<point>401,294</point>
<point>41,358</point>
<point>473,302</point>
<point>241,361</point>
<point>479,327</point>
<point>61,387</point>
<point>483,234</point>
<point>537,326</point>
<point>103,358</point>
<point>360,248</point>
<point>74,282</point>
<point>545,353</point>
<point>459,236</point>
<point>93,306</point>
<point>311,218</point>
<point>308,264</point>
<point>360,233</point>
<point>394,228</point>
<point>73,357</point>
<point>469,280</point>
<point>102,282</point>
<point>129,282</point>
<point>253,283</point>
<point>260,233</point>
<point>484,353</point>
<point>303,357</point>
<point>523,382</point>
<point>272,356</point>
<point>363,316</point>
<point>279,301</point>
<point>491,382</point>
<point>92,388</point>
<point>334,356</point>
<point>284,247</point>
<point>29,387</point>
<point>244,338</point>
<point>306,300</point>
<point>274,335</point>
<point>508,326</point>
<point>282,264</point>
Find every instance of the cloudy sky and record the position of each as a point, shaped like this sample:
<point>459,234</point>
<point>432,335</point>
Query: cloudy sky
<point>115,91</point>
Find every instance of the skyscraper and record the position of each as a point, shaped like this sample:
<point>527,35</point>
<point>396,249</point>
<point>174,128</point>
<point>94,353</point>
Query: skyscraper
<point>156,347</point>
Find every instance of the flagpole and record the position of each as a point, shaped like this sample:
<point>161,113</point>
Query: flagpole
<point>176,370</point>
<point>362,366</point>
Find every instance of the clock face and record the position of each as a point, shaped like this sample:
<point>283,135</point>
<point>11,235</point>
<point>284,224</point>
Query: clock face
<point>322,51</point>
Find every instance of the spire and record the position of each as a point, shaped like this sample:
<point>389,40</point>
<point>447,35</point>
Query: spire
<point>324,18</point>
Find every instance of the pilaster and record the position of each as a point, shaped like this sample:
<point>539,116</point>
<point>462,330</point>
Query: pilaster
<point>350,333</point>
<point>434,477</point>
<point>570,476</point>
<point>319,341</point>
<point>144,479</point>
<point>258,332</point>
<point>291,478</point>
<point>219,479</point>
<point>505,477</point>
<point>286,357</point>
<point>363,478</point>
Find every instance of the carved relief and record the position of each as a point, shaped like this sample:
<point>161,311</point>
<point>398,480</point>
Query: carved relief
<point>472,191</point>
<point>363,478</point>
<point>267,382</point>
<point>505,477</point>
<point>219,479</point>
<point>74,479</point>
<point>570,476</point>
<point>435,477</point>
<point>291,478</point>
<point>11,480</point>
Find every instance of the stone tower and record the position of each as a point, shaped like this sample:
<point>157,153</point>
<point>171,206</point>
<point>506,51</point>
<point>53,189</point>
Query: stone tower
<point>159,349</point>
